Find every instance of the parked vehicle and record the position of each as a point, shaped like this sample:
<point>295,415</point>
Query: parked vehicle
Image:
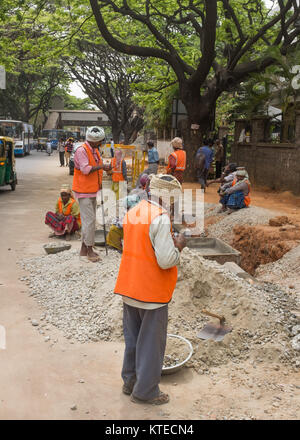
<point>21,132</point>
<point>8,175</point>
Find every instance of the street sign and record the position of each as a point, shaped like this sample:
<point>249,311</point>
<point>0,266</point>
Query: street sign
<point>2,78</point>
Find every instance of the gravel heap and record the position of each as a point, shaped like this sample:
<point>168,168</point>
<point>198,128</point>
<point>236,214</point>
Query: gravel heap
<point>248,216</point>
<point>285,271</point>
<point>77,298</point>
<point>262,315</point>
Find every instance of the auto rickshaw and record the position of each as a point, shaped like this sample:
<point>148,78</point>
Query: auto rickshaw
<point>42,144</point>
<point>8,175</point>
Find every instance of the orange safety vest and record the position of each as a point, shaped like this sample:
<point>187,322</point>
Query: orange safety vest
<point>117,174</point>
<point>140,277</point>
<point>180,158</point>
<point>68,209</point>
<point>247,198</point>
<point>88,183</point>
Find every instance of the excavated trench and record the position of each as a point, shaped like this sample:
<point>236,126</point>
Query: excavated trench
<point>262,244</point>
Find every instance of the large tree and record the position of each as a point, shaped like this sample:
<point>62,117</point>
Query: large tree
<point>211,46</point>
<point>104,76</point>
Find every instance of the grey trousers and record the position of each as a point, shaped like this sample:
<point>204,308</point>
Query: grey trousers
<point>145,333</point>
<point>152,169</point>
<point>88,207</point>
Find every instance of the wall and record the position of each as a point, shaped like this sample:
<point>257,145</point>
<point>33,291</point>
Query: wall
<point>276,166</point>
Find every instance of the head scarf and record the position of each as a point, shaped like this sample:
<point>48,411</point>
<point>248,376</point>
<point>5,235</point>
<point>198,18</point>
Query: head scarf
<point>177,143</point>
<point>143,180</point>
<point>118,155</point>
<point>66,189</point>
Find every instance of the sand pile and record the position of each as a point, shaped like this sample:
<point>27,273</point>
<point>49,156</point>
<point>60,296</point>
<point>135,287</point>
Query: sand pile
<point>261,316</point>
<point>78,298</point>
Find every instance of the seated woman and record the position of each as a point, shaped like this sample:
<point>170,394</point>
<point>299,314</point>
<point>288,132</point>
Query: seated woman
<point>236,196</point>
<point>66,219</point>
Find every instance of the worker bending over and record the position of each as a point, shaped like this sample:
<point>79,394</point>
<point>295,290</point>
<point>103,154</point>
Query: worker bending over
<point>147,278</point>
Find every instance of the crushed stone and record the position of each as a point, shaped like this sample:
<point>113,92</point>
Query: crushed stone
<point>77,297</point>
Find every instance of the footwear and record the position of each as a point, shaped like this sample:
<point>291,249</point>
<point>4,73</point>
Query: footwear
<point>159,400</point>
<point>94,259</point>
<point>127,389</point>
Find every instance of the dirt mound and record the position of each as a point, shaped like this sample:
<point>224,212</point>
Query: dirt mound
<point>263,244</point>
<point>279,221</point>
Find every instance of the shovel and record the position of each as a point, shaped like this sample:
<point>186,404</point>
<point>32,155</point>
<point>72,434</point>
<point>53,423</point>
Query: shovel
<point>214,331</point>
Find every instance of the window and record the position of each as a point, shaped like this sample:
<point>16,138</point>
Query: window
<point>2,152</point>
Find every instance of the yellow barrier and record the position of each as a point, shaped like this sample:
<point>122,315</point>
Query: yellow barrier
<point>125,147</point>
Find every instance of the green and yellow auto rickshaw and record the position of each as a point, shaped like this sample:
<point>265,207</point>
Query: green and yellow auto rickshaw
<point>8,175</point>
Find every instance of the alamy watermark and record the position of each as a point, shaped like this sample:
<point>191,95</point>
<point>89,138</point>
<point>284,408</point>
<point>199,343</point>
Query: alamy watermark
<point>186,208</point>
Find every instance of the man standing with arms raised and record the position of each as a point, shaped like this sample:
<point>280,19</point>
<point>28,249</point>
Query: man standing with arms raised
<point>87,181</point>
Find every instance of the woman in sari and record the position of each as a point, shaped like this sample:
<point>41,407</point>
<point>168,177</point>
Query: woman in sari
<point>66,219</point>
<point>236,195</point>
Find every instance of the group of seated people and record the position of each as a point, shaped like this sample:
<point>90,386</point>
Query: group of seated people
<point>234,188</point>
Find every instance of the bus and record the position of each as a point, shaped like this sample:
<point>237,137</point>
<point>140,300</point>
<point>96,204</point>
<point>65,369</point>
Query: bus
<point>21,132</point>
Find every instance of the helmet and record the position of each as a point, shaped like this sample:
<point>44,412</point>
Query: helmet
<point>95,134</point>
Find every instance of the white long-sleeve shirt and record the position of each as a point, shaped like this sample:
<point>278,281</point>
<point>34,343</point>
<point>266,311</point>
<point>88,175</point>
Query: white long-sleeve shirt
<point>167,255</point>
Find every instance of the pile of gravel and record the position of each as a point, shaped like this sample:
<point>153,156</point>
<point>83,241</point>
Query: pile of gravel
<point>77,298</point>
<point>262,315</point>
<point>284,271</point>
<point>253,215</point>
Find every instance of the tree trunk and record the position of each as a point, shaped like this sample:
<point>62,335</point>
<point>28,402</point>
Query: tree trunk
<point>200,110</point>
<point>115,132</point>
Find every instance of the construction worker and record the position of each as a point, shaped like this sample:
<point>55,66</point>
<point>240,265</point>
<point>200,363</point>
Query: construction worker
<point>119,172</point>
<point>177,160</point>
<point>87,181</point>
<point>146,281</point>
<point>68,149</point>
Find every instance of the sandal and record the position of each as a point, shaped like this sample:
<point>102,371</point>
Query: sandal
<point>94,259</point>
<point>159,400</point>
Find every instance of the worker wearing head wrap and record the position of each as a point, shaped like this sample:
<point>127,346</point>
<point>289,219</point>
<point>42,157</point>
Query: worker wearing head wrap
<point>177,160</point>
<point>146,281</point>
<point>87,181</point>
<point>66,218</point>
<point>236,196</point>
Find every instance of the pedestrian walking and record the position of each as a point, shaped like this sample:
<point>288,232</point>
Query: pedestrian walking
<point>146,281</point>
<point>87,181</point>
<point>68,150</point>
<point>206,149</point>
<point>61,151</point>
<point>177,160</point>
<point>112,147</point>
<point>153,161</point>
